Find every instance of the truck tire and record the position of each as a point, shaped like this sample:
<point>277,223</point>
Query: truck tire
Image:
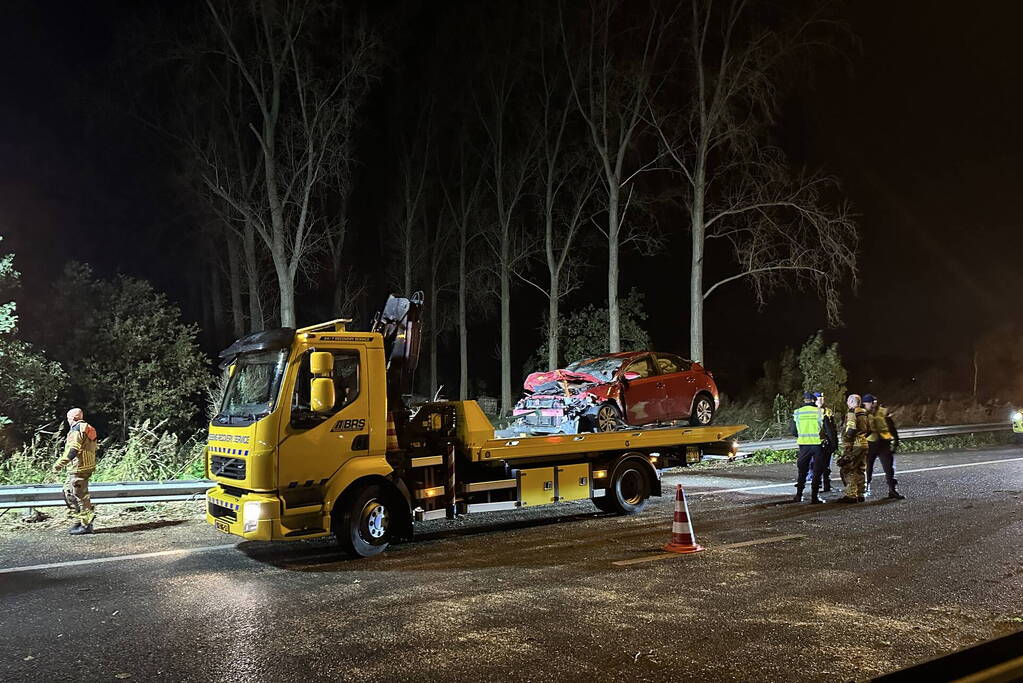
<point>703,411</point>
<point>627,492</point>
<point>607,418</point>
<point>362,525</point>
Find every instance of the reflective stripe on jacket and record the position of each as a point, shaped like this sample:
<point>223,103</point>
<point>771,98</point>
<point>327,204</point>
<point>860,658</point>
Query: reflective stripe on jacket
<point>808,425</point>
<point>857,427</point>
<point>79,450</point>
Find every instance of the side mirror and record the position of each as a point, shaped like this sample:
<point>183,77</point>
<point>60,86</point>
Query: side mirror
<point>630,375</point>
<point>321,394</point>
<point>321,363</point>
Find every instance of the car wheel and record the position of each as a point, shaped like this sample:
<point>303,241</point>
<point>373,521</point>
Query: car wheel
<point>607,419</point>
<point>627,492</point>
<point>703,411</point>
<point>363,524</point>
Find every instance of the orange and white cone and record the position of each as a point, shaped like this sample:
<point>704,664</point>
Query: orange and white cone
<point>392,434</point>
<point>683,540</point>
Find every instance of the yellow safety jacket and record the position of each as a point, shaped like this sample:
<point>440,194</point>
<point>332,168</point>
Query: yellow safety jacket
<point>79,450</point>
<point>857,428</point>
<point>808,425</point>
<point>879,425</point>
<point>1017,422</point>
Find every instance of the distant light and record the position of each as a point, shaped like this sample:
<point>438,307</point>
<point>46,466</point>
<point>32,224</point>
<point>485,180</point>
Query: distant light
<point>1017,416</point>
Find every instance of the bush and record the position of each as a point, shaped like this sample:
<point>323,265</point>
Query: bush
<point>149,454</point>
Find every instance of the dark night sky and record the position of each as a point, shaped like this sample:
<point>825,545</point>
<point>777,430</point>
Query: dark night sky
<point>922,128</point>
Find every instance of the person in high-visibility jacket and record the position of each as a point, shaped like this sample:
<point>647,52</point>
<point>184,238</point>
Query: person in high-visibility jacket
<point>80,458</point>
<point>882,443</point>
<point>809,421</point>
<point>1017,426</point>
<point>854,454</point>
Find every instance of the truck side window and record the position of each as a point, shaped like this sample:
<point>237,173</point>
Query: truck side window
<point>346,378</point>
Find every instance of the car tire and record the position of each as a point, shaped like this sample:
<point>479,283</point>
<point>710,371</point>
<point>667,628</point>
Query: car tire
<point>608,418</point>
<point>628,491</point>
<point>703,411</point>
<point>362,525</point>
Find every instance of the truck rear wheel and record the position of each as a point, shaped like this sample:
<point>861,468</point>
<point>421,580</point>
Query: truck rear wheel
<point>627,492</point>
<point>362,525</point>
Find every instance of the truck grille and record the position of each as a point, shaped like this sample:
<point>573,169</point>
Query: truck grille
<point>221,512</point>
<point>224,466</point>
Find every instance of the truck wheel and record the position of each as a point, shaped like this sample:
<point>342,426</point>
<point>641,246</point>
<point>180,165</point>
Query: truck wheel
<point>628,491</point>
<point>363,524</point>
<point>703,411</point>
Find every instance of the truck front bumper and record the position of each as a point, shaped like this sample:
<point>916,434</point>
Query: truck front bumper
<point>252,516</point>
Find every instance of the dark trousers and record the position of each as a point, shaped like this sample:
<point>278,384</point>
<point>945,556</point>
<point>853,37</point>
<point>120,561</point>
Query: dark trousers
<point>810,455</point>
<point>881,450</point>
<point>826,474</point>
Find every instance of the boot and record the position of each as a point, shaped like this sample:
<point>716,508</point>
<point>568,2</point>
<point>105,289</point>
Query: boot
<point>814,491</point>
<point>892,493</point>
<point>80,530</point>
<point>827,482</point>
<point>74,530</point>
<point>798,498</point>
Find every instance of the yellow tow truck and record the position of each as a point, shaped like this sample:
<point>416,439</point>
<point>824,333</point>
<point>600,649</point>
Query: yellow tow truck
<point>313,438</point>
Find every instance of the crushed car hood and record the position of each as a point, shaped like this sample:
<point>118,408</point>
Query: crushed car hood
<point>549,382</point>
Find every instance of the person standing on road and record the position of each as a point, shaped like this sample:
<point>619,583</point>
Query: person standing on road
<point>808,422</point>
<point>854,455</point>
<point>829,440</point>
<point>881,444</point>
<point>80,459</point>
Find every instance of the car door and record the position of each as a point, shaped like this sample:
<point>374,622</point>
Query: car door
<point>643,397</point>
<point>679,385</point>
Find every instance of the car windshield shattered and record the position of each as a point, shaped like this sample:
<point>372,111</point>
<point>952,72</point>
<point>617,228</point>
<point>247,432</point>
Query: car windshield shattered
<point>602,368</point>
<point>252,391</point>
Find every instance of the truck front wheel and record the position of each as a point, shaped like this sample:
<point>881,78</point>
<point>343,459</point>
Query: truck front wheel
<point>362,525</point>
<point>627,492</point>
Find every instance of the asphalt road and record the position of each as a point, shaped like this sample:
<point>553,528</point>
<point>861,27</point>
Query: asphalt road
<point>534,595</point>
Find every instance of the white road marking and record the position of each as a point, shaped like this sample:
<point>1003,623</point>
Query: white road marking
<point>115,558</point>
<point>898,472</point>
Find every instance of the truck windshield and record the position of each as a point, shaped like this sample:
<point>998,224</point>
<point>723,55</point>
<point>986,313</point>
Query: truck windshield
<point>252,391</point>
<point>604,368</point>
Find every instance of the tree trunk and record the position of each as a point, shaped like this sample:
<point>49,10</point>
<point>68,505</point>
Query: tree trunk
<point>614,339</point>
<point>286,287</point>
<point>552,322</point>
<point>217,301</point>
<point>463,336</point>
<point>256,321</point>
<point>237,312</point>
<point>506,397</point>
<point>696,268</point>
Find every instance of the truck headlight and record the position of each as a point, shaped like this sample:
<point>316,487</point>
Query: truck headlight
<point>252,513</point>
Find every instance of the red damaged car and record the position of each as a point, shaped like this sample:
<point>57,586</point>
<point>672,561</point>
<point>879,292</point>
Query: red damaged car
<point>616,391</point>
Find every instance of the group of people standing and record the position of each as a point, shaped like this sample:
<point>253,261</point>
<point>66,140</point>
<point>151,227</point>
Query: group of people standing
<point>869,434</point>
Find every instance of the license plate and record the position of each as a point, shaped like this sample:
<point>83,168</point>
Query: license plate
<point>223,526</point>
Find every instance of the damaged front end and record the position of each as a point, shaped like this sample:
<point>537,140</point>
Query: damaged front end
<point>560,402</point>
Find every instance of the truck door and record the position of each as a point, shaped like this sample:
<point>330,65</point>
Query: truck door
<point>314,445</point>
<point>643,396</point>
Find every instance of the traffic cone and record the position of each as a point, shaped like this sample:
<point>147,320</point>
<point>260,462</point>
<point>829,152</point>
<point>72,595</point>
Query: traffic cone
<point>392,434</point>
<point>683,540</point>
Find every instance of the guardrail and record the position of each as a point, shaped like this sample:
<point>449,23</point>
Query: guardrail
<point>123,493</point>
<point>907,433</point>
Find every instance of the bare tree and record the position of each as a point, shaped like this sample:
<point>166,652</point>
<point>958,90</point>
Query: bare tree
<point>408,222</point>
<point>780,225</point>
<point>511,163</point>
<point>462,201</point>
<point>611,91</point>
<point>301,113</point>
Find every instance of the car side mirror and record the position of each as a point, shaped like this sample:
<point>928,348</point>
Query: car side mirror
<point>630,375</point>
